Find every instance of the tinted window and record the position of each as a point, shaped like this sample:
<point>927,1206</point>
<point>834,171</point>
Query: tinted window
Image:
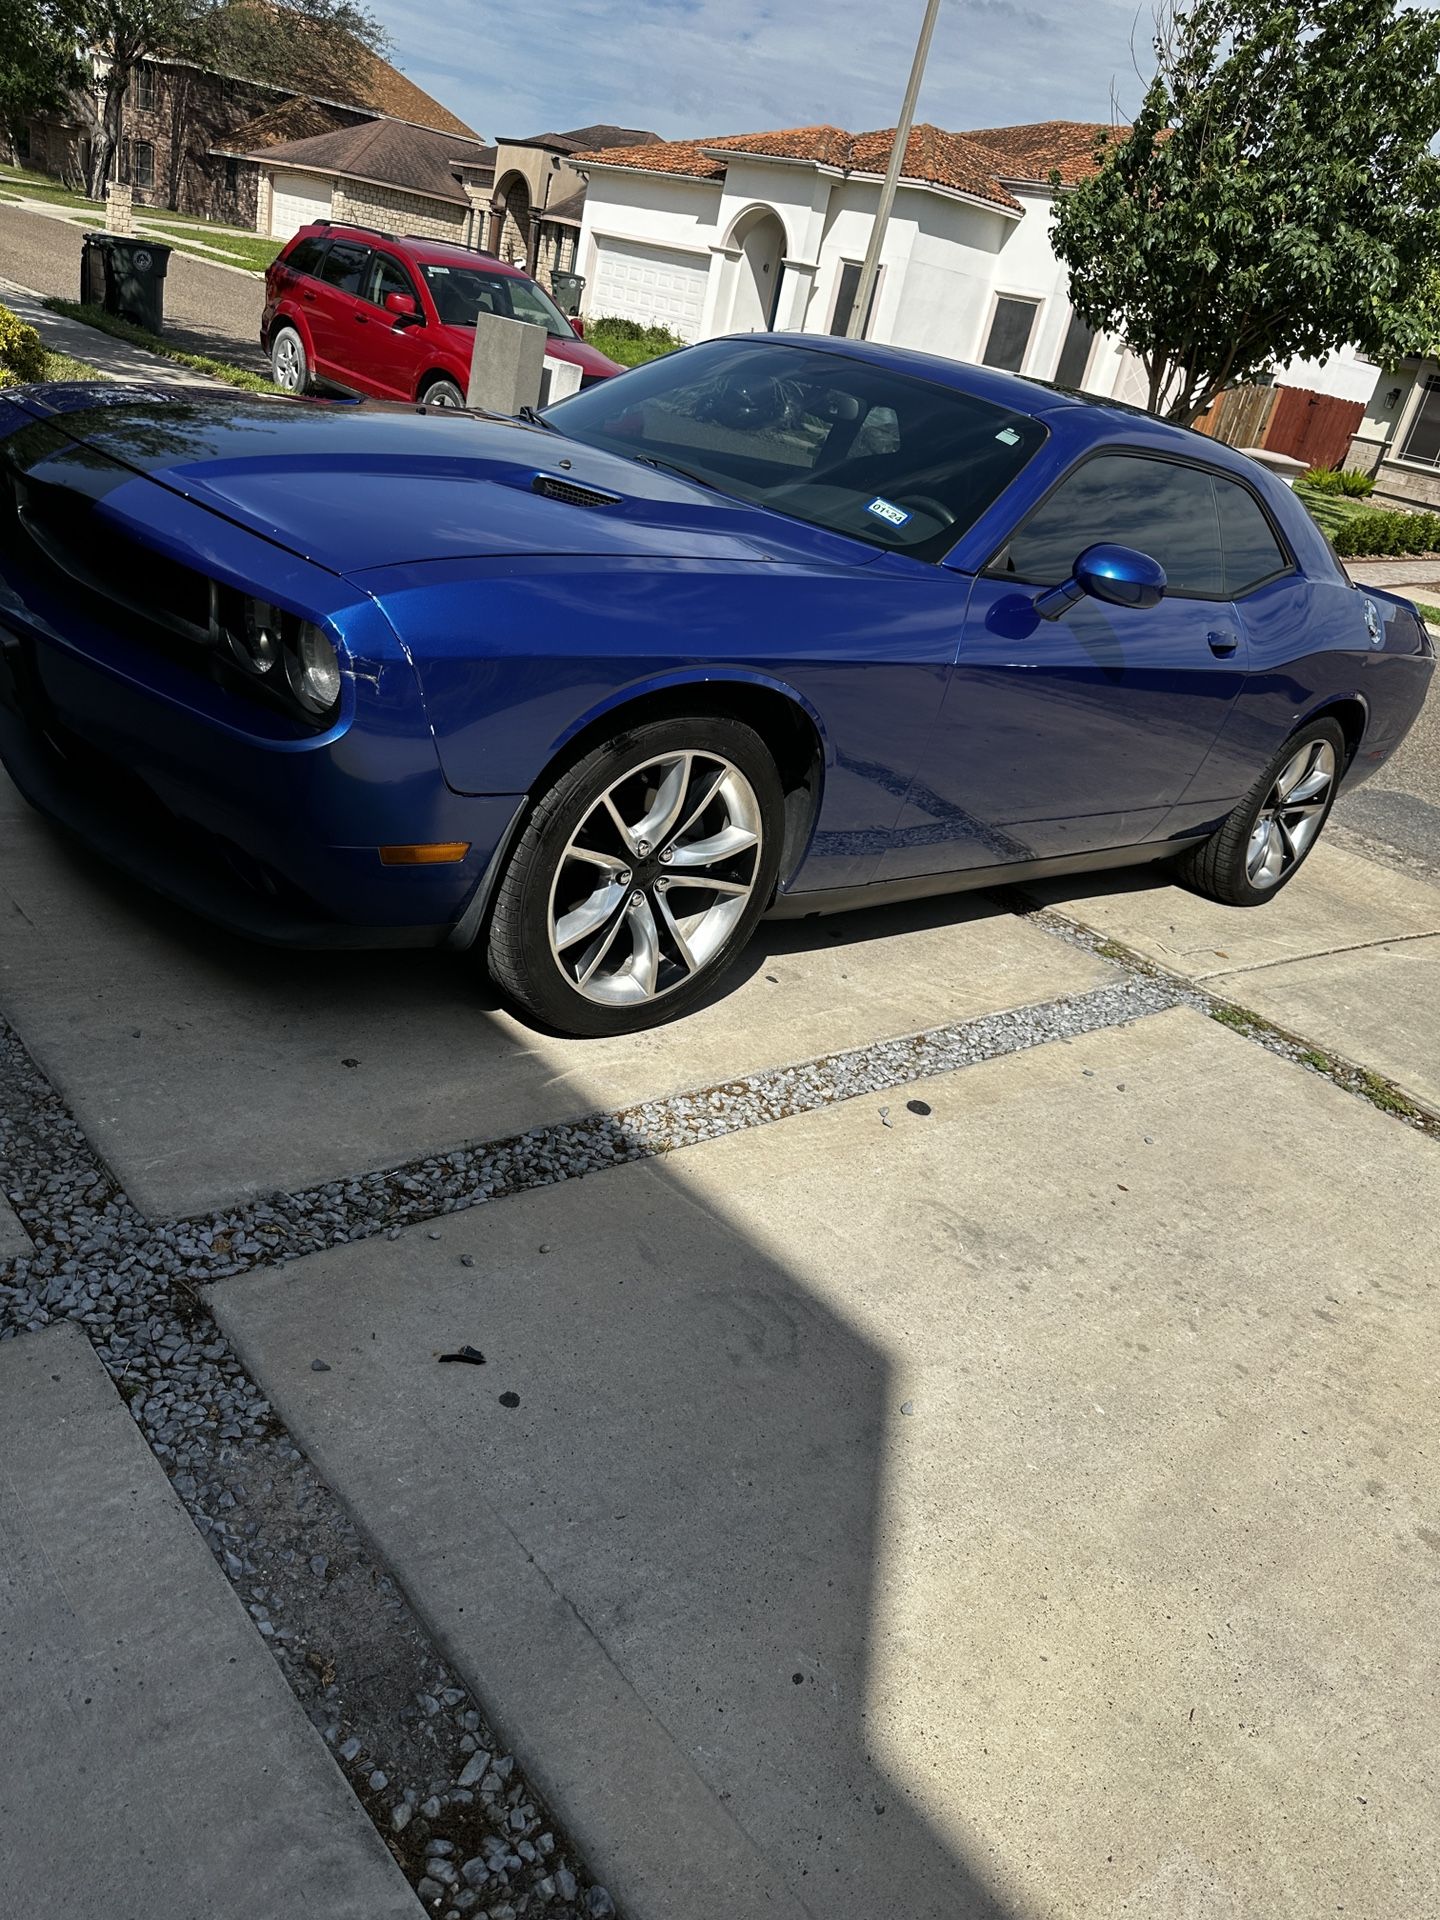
<point>388,276</point>
<point>1009,334</point>
<point>304,256</point>
<point>834,440</point>
<point>1075,354</point>
<point>344,266</point>
<point>1422,443</point>
<point>845,298</point>
<point>1252,553</point>
<point>1165,510</point>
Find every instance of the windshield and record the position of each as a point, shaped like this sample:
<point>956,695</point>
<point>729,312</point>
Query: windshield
<point>900,462</point>
<point>460,293</point>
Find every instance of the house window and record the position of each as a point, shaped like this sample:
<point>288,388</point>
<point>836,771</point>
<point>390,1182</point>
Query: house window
<point>232,174</point>
<point>1422,443</point>
<point>142,164</point>
<point>142,88</point>
<point>1010,329</point>
<point>1074,354</point>
<point>845,298</point>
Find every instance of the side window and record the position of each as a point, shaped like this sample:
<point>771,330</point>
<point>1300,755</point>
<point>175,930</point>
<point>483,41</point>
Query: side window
<point>1252,553</point>
<point>304,257</point>
<point>1157,506</point>
<point>388,276</point>
<point>344,266</point>
<point>1010,328</point>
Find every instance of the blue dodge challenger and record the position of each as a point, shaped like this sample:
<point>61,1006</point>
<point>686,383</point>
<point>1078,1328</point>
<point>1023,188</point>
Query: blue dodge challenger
<point>775,624</point>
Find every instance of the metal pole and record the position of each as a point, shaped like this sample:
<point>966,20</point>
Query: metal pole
<point>860,311</point>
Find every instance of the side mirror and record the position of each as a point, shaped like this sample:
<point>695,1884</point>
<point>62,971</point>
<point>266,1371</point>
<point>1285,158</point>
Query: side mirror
<point>1117,575</point>
<point>577,325</point>
<point>402,305</point>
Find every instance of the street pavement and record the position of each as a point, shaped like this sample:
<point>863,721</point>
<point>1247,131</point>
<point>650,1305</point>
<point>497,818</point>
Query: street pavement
<point>982,1473</point>
<point>208,309</point>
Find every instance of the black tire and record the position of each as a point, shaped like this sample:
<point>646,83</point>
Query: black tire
<point>289,362</point>
<point>1221,867</point>
<point>521,957</point>
<point>442,392</point>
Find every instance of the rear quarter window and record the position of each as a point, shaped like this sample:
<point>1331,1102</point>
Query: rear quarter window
<point>1252,552</point>
<point>305,256</point>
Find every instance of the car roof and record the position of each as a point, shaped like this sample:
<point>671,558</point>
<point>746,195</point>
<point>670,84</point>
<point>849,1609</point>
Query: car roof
<point>440,253</point>
<point>1021,394</point>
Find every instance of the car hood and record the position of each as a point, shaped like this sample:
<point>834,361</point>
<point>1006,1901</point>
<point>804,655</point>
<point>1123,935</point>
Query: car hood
<point>581,354</point>
<point>356,488</point>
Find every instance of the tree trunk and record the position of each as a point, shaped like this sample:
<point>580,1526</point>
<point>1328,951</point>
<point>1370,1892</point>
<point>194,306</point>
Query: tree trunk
<point>106,147</point>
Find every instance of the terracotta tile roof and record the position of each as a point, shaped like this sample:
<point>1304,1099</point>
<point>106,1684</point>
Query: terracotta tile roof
<point>385,151</point>
<point>1031,152</point>
<point>933,156</point>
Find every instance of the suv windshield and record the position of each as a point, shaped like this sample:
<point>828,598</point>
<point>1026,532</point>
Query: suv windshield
<point>900,462</point>
<point>460,293</point>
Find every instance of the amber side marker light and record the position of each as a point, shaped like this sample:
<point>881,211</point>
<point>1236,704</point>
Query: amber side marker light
<point>435,853</point>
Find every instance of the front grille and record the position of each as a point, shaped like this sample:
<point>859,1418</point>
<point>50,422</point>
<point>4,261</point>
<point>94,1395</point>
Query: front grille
<point>572,493</point>
<point>63,528</point>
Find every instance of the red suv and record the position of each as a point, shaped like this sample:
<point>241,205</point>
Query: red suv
<point>396,318</point>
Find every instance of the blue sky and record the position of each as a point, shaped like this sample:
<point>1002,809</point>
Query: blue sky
<point>694,67</point>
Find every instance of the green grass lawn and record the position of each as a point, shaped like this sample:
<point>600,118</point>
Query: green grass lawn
<point>1329,511</point>
<point>60,366</point>
<point>252,251</point>
<point>153,343</point>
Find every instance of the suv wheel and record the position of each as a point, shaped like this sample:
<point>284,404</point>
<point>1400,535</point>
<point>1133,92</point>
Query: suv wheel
<point>289,362</point>
<point>442,393</point>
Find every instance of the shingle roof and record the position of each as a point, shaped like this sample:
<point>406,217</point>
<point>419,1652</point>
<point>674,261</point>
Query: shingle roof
<point>386,151</point>
<point>1031,152</point>
<point>578,138</point>
<point>932,156</point>
<point>297,119</point>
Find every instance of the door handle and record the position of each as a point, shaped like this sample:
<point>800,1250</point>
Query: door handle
<point>1222,644</point>
<point>362,319</point>
<point>308,297</point>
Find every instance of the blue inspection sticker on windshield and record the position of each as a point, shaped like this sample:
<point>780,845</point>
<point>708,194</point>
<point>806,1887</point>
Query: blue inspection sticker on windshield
<point>888,511</point>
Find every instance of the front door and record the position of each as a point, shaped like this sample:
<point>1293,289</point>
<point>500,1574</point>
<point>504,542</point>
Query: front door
<point>1076,735</point>
<point>388,351</point>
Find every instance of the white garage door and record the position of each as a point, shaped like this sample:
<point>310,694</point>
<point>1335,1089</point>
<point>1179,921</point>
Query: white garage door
<point>659,286</point>
<point>298,198</point>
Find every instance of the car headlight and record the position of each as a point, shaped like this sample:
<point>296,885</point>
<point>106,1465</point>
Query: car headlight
<point>312,667</point>
<point>255,639</point>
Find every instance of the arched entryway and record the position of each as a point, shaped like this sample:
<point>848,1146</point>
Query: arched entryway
<point>760,238</point>
<point>511,235</point>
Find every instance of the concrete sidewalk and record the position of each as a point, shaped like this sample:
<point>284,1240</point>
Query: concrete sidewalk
<point>115,359</point>
<point>156,1764</point>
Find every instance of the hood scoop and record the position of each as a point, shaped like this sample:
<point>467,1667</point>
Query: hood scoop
<point>572,492</point>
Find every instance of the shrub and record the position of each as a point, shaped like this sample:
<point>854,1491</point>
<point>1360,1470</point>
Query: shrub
<point>629,341</point>
<point>22,352</point>
<point>1376,531</point>
<point>1350,481</point>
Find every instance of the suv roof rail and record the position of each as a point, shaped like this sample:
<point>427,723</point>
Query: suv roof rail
<point>356,226</point>
<point>460,246</point>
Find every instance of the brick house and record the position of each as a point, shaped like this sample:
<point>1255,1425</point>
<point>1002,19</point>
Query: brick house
<point>379,173</point>
<point>191,138</point>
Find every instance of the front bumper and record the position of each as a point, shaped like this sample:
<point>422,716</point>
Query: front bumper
<point>233,845</point>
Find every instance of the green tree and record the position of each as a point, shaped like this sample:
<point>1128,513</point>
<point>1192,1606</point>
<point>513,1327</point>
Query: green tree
<point>37,60</point>
<point>1276,195</point>
<point>300,45</point>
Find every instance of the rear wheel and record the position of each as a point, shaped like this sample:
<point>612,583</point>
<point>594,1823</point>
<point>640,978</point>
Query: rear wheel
<point>1262,845</point>
<point>639,877</point>
<point>289,362</point>
<point>442,393</point>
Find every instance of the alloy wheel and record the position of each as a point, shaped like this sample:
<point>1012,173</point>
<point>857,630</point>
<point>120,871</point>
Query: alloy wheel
<point>655,878</point>
<point>285,363</point>
<point>1292,814</point>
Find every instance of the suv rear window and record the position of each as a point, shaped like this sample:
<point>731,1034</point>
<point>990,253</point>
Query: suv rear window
<point>305,256</point>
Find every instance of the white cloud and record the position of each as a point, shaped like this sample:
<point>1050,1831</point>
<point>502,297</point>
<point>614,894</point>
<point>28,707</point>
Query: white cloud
<point>688,67</point>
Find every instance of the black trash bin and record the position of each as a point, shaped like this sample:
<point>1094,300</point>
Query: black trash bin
<point>125,274</point>
<point>565,291</point>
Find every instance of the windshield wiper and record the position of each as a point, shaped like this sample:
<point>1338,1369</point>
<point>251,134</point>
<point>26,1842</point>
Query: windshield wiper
<point>672,466</point>
<point>534,419</point>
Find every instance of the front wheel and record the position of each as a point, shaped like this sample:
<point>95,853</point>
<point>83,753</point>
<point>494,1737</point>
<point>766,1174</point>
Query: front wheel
<point>639,877</point>
<point>289,362</point>
<point>1262,844</point>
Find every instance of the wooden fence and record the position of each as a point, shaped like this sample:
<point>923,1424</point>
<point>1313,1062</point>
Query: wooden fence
<point>1314,427</point>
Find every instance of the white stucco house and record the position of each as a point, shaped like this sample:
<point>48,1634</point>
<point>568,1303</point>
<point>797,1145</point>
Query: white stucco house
<point>767,230</point>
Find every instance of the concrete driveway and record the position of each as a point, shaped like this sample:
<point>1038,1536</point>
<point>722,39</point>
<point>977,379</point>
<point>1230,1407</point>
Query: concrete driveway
<point>945,1431</point>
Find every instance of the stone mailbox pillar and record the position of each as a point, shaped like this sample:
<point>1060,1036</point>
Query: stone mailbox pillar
<point>119,208</point>
<point>506,364</point>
